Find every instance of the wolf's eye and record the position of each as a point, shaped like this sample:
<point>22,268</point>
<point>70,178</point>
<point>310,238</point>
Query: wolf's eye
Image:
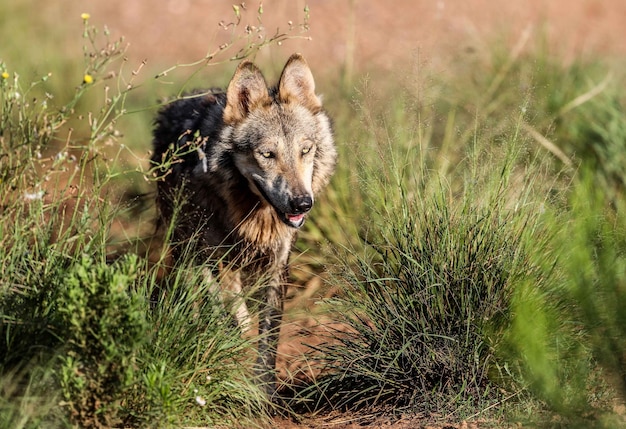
<point>267,154</point>
<point>306,150</point>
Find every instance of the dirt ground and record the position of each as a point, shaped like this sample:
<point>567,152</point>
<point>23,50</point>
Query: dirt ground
<point>358,35</point>
<point>356,421</point>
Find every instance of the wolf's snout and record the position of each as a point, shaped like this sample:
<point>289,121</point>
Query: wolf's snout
<point>298,207</point>
<point>301,204</point>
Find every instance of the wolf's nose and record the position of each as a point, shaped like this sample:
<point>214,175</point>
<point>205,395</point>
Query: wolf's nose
<point>301,204</point>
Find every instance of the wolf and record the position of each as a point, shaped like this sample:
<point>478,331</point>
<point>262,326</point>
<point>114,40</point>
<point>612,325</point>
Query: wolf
<point>241,169</point>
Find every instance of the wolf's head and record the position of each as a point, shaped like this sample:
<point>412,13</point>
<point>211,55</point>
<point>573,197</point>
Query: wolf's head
<point>280,137</point>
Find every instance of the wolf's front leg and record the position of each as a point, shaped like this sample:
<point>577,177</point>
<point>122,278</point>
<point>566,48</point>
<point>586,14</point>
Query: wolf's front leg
<point>231,293</point>
<point>269,328</point>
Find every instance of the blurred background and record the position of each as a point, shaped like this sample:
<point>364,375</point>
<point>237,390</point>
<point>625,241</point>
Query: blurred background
<point>345,41</point>
<point>351,34</point>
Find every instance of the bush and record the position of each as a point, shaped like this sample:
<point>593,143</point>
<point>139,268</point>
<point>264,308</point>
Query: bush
<point>77,322</point>
<point>568,333</point>
<point>104,327</point>
<point>95,343</point>
<point>425,300</point>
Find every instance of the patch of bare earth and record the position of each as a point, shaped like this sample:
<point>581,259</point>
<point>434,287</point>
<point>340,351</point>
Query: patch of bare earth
<point>360,420</point>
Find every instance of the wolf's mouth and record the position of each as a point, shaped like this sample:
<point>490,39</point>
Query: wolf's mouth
<point>294,220</point>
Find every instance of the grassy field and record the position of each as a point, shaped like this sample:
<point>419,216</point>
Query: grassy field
<point>473,238</point>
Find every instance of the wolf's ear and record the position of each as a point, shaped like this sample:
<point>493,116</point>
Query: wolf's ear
<point>296,84</point>
<point>246,90</point>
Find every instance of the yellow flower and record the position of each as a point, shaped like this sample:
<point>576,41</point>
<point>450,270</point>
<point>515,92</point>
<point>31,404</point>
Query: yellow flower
<point>5,75</point>
<point>88,79</point>
<point>85,16</point>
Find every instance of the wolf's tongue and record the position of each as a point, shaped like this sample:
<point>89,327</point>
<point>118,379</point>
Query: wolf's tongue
<point>295,218</point>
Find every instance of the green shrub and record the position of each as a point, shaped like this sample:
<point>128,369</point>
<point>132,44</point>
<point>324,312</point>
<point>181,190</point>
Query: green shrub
<point>110,356</point>
<point>594,259</point>
<point>105,326</point>
<point>568,334</point>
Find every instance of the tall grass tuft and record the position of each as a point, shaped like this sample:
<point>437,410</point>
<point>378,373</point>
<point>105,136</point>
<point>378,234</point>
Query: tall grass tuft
<point>197,367</point>
<point>425,298</point>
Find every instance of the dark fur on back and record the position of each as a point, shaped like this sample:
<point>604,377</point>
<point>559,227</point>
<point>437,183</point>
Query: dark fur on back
<point>175,127</point>
<point>200,111</point>
<point>241,168</point>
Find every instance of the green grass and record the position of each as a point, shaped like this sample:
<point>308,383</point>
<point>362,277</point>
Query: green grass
<point>474,232</point>
<point>426,303</point>
<point>428,277</point>
<point>569,333</point>
<point>111,356</point>
<point>482,246</point>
